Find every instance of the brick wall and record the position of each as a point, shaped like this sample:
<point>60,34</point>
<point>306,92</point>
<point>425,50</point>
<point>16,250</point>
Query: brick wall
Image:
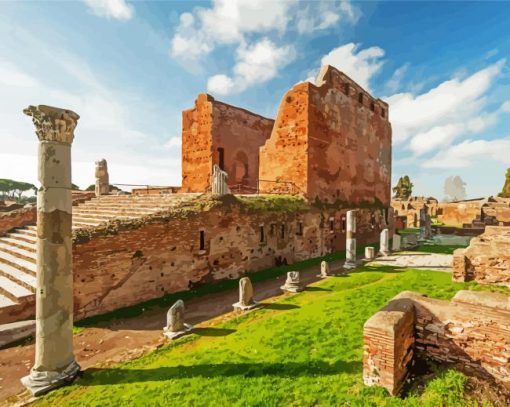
<point>487,259</point>
<point>212,125</point>
<point>328,144</point>
<point>459,213</point>
<point>17,218</point>
<point>470,333</point>
<point>164,256</point>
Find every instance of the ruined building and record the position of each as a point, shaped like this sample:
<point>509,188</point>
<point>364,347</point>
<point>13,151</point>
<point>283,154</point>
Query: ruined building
<point>330,147</point>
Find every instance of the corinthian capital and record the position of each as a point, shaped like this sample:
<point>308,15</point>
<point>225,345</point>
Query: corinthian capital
<point>53,123</point>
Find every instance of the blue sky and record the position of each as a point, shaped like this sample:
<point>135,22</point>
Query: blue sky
<point>129,69</point>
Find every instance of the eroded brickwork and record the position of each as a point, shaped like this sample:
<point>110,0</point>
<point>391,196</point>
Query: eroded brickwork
<point>162,257</point>
<point>17,218</point>
<point>487,259</point>
<point>330,142</point>
<point>409,210</point>
<point>470,333</point>
<point>230,137</point>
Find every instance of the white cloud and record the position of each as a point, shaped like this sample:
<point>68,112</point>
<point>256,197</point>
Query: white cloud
<point>255,64</point>
<point>232,21</point>
<point>117,9</point>
<point>11,75</point>
<point>173,142</point>
<point>470,151</point>
<point>360,65</point>
<point>394,83</point>
<point>453,102</point>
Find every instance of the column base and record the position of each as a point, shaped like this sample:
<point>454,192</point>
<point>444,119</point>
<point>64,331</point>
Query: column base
<point>240,307</point>
<point>177,334</point>
<point>349,265</point>
<point>42,382</point>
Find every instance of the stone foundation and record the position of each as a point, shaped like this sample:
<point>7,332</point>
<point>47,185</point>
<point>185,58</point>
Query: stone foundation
<point>486,260</point>
<point>470,333</point>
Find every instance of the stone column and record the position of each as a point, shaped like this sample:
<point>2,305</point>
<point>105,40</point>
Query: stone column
<point>102,178</point>
<point>423,223</point>
<point>385,242</point>
<point>350,252</point>
<point>54,357</point>
<point>219,182</point>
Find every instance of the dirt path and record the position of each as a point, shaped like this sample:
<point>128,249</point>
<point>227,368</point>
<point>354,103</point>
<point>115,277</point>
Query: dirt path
<point>129,338</point>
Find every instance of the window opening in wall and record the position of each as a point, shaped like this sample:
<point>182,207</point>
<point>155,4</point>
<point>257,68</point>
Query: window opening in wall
<point>346,88</point>
<point>331,224</point>
<point>262,237</point>
<point>344,224</point>
<point>372,220</point>
<point>372,106</point>
<point>360,98</point>
<point>221,158</point>
<point>282,231</point>
<point>202,240</point>
<point>272,229</point>
<point>383,112</point>
<point>299,229</point>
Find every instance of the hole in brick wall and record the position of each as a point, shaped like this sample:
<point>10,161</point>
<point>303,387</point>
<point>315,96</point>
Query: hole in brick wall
<point>346,89</point>
<point>172,264</point>
<point>299,231</point>
<point>261,231</point>
<point>360,97</point>
<point>288,99</point>
<point>173,248</point>
<point>216,262</point>
<point>372,106</point>
<point>162,274</point>
<point>282,231</point>
<point>383,113</point>
<point>331,224</point>
<point>150,267</point>
<point>202,240</point>
<point>344,223</point>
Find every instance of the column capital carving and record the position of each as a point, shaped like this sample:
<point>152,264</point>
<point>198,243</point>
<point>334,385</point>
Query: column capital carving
<point>53,123</point>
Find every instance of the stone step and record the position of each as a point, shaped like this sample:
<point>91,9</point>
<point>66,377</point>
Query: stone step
<point>14,261</point>
<point>31,247</point>
<point>6,302</point>
<point>31,227</point>
<point>92,214</point>
<point>18,276</point>
<point>88,221</point>
<point>117,208</point>
<point>16,251</point>
<point>12,290</point>
<point>27,232</point>
<point>24,238</point>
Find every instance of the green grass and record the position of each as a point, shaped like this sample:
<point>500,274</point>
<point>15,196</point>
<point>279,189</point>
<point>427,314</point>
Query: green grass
<point>408,231</point>
<point>303,350</point>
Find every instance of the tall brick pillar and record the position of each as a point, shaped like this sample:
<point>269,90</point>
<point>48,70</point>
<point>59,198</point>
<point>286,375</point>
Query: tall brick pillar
<point>350,252</point>
<point>54,357</point>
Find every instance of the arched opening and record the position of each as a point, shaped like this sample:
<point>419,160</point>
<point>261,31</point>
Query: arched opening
<point>240,168</point>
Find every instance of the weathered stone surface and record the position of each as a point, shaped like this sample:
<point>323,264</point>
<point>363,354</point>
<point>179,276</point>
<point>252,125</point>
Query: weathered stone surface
<point>246,301</point>
<point>325,271</point>
<point>396,242</point>
<point>17,219</point>
<point>219,182</point>
<point>175,325</point>
<point>470,334</point>
<point>212,132</point>
<point>293,283</point>
<point>16,331</point>
<point>487,259</point>
<point>409,209</point>
<point>54,359</point>
<point>102,178</point>
<point>330,141</point>
<point>350,245</point>
<point>369,253</point>
<point>384,246</point>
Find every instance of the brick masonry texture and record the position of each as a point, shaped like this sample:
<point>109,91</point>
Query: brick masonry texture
<point>487,259</point>
<point>470,333</point>
<point>17,218</point>
<point>330,142</point>
<point>212,129</point>
<point>409,210</point>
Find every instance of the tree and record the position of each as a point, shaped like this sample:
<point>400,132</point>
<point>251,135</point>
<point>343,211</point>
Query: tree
<point>112,188</point>
<point>75,187</point>
<point>454,189</point>
<point>505,193</point>
<point>404,188</point>
<point>15,189</point>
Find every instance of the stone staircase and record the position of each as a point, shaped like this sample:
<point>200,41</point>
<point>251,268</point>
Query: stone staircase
<point>18,248</point>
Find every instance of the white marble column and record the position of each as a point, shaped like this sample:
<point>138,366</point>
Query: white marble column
<point>384,248</point>
<point>54,356</point>
<point>350,249</point>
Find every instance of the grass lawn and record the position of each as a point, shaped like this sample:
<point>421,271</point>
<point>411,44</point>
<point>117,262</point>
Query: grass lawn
<point>302,350</point>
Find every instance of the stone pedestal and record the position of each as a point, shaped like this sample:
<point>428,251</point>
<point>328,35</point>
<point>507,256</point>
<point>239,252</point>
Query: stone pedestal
<point>396,242</point>
<point>293,283</point>
<point>54,364</point>
<point>325,271</point>
<point>385,243</point>
<point>369,253</point>
<point>350,252</point>
<point>246,301</point>
<point>175,325</point>
<point>102,178</point>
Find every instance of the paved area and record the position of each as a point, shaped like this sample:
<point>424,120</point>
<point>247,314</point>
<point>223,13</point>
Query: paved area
<point>429,261</point>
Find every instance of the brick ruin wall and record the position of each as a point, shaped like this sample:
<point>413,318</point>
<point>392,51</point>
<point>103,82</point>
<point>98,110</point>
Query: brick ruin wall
<point>330,142</point>
<point>471,333</point>
<point>459,213</point>
<point>486,260</point>
<point>410,209</point>
<point>17,218</point>
<point>153,260</point>
<point>212,126</point>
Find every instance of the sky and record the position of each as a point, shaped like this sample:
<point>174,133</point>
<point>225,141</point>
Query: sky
<point>129,68</point>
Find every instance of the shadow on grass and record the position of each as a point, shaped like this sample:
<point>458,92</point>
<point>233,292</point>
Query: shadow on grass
<point>280,307</point>
<point>213,331</point>
<point>317,289</point>
<point>102,376</point>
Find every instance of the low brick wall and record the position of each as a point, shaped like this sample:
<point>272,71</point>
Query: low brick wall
<point>470,333</point>
<point>486,260</point>
<point>17,218</point>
